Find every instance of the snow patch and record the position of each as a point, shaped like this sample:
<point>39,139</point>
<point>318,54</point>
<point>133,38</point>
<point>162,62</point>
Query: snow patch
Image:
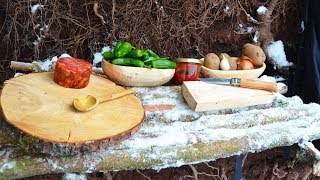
<point>18,74</point>
<point>255,38</point>
<point>277,54</point>
<point>64,55</point>
<point>8,165</point>
<point>106,48</point>
<point>36,7</point>
<point>226,8</point>
<point>74,176</point>
<point>97,58</point>
<point>262,10</point>
<point>271,78</point>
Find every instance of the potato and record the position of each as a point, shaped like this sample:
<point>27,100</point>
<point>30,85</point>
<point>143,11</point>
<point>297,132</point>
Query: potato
<point>211,61</point>
<point>233,63</point>
<point>255,53</point>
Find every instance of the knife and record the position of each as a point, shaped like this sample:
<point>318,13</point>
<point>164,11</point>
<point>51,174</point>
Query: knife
<point>245,83</point>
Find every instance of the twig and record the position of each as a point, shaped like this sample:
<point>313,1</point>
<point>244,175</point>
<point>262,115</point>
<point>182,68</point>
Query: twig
<point>147,177</point>
<point>96,12</point>
<point>276,172</point>
<point>196,173</point>
<point>244,159</point>
<point>249,17</point>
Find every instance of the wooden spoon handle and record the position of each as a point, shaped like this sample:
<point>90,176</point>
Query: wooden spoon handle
<point>118,95</point>
<point>256,84</point>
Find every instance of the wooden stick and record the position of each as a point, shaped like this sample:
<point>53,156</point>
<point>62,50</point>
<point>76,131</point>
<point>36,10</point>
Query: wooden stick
<point>23,66</point>
<point>34,67</point>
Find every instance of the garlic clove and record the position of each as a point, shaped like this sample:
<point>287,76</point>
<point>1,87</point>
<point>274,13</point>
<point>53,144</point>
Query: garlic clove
<point>224,64</point>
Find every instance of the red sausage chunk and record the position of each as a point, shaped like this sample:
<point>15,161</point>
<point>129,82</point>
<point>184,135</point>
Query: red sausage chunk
<point>72,73</point>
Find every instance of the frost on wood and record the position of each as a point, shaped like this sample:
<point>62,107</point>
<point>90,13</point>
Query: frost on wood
<point>174,135</point>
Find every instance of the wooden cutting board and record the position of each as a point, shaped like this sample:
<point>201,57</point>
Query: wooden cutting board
<point>203,96</point>
<point>36,105</point>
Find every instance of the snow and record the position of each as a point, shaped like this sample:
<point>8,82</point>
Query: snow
<point>271,79</point>
<point>74,176</point>
<point>226,8</point>
<point>309,146</point>
<point>277,54</point>
<point>262,10</point>
<point>255,38</point>
<point>36,7</point>
<point>18,74</point>
<point>8,165</point>
<point>97,57</point>
<point>64,55</point>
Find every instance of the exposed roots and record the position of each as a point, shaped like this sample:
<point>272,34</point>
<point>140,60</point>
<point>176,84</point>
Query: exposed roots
<point>171,28</point>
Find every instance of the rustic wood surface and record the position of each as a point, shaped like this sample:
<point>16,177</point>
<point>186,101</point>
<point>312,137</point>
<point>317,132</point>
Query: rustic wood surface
<point>39,107</point>
<point>172,135</point>
<point>203,96</point>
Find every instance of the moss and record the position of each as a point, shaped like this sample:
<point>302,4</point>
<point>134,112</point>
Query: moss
<point>21,167</point>
<point>209,151</point>
<point>25,142</point>
<point>125,161</point>
<point>6,140</point>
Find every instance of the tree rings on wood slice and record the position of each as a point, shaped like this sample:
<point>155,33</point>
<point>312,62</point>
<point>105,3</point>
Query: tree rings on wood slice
<point>39,107</point>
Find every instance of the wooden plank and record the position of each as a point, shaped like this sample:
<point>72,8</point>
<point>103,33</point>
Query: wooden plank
<point>203,96</point>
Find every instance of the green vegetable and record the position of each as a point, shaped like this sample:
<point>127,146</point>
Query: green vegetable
<point>163,64</point>
<point>150,59</point>
<point>145,56</point>
<point>152,54</point>
<point>108,55</point>
<point>116,48</point>
<point>123,49</point>
<point>128,62</point>
<point>135,53</point>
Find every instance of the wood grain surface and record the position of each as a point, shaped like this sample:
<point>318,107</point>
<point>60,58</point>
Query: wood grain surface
<point>37,106</point>
<point>203,96</point>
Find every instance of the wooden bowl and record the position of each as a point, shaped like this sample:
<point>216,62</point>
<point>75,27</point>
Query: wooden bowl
<point>135,76</point>
<point>249,74</point>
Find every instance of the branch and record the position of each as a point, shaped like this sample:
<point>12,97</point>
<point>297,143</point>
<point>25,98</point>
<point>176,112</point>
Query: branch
<point>96,12</point>
<point>249,17</point>
<point>35,67</point>
<point>272,5</point>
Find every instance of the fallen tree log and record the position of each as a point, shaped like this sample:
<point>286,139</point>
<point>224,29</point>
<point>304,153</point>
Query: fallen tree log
<point>174,135</point>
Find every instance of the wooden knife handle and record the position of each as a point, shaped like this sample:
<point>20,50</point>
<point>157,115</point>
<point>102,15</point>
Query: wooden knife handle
<point>256,84</point>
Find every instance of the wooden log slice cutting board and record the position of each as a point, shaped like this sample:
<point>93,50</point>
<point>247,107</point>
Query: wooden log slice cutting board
<point>36,105</point>
<point>203,96</point>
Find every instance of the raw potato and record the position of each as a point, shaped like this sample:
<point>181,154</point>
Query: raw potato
<point>233,63</point>
<point>255,53</point>
<point>211,61</point>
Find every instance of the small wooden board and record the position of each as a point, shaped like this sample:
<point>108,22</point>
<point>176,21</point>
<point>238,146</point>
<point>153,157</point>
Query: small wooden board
<point>203,96</point>
<point>36,105</point>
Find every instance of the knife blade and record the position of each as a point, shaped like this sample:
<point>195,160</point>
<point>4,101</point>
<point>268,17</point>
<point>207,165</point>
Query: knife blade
<point>245,83</point>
